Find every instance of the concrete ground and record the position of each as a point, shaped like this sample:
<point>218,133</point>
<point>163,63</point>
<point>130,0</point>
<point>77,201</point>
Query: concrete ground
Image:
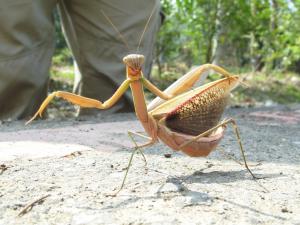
<point>74,164</point>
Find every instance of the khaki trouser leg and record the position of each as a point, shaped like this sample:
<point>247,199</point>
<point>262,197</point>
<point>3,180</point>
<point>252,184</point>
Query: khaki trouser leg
<point>99,50</point>
<point>26,48</point>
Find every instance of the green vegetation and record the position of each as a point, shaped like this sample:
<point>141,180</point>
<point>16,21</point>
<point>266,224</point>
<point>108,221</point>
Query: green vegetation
<point>258,39</point>
<point>260,34</point>
<point>62,72</point>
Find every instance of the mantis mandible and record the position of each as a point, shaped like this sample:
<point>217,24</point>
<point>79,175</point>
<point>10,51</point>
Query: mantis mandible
<point>183,118</point>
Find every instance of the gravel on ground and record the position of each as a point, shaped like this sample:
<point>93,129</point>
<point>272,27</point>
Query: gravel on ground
<point>68,168</point>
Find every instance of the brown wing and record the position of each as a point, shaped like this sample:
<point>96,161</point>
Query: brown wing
<point>201,112</point>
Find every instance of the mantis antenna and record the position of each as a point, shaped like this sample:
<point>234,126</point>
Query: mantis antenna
<point>145,28</point>
<point>120,34</point>
<point>116,29</point>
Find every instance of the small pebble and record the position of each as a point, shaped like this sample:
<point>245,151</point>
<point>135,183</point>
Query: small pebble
<point>168,155</point>
<point>285,210</point>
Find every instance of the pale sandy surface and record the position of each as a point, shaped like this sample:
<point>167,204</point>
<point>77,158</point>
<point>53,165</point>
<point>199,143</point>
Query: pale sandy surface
<point>176,190</point>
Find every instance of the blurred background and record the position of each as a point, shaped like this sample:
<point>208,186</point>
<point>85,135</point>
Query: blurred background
<point>257,39</point>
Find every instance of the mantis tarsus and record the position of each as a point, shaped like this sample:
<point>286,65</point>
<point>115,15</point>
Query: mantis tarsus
<point>186,120</point>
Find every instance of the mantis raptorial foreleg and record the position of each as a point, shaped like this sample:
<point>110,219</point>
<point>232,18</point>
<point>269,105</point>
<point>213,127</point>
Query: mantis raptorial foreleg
<point>180,86</point>
<point>155,90</point>
<point>187,81</point>
<point>83,101</point>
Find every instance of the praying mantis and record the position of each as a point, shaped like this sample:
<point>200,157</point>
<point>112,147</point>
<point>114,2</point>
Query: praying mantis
<point>185,119</point>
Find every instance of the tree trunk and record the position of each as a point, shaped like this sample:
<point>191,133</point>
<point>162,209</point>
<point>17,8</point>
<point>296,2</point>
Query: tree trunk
<point>219,43</point>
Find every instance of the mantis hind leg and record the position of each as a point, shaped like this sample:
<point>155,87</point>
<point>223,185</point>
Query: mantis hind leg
<point>237,133</point>
<point>237,136</point>
<point>225,154</point>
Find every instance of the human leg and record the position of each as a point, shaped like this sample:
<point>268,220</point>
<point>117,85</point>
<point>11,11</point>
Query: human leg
<point>26,48</point>
<point>98,49</point>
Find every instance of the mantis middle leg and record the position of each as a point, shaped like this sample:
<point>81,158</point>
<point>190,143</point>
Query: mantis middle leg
<point>137,148</point>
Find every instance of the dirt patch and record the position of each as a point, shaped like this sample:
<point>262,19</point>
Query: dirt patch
<point>77,162</point>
